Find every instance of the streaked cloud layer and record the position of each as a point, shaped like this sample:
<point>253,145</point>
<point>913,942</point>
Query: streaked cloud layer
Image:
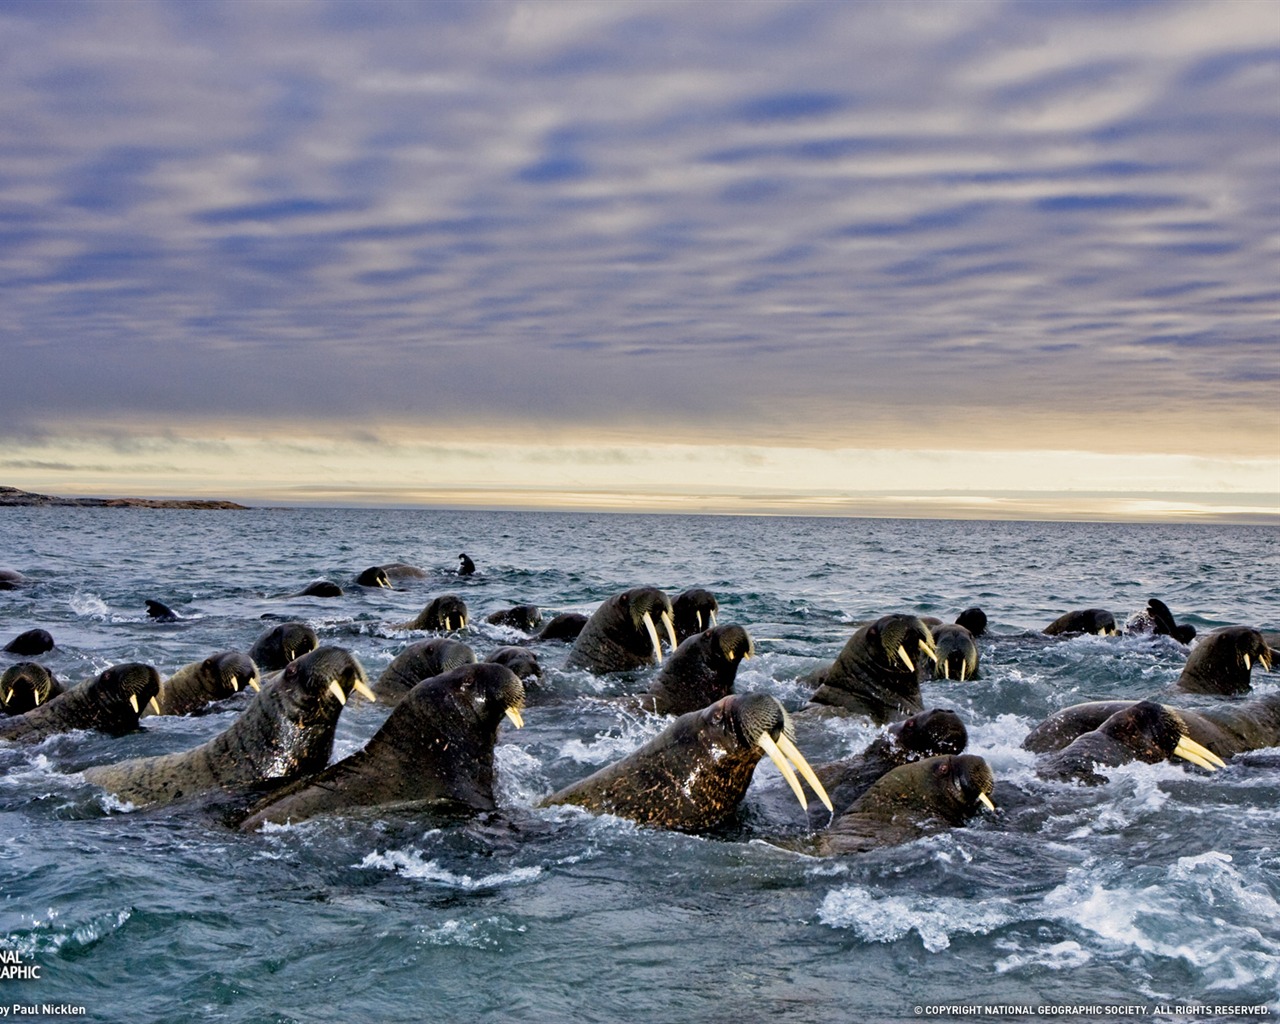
<point>945,227</point>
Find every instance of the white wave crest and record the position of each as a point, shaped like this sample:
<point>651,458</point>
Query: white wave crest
<point>411,864</point>
<point>936,919</point>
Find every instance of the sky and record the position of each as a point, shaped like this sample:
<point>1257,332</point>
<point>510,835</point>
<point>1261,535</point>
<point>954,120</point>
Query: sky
<point>976,259</point>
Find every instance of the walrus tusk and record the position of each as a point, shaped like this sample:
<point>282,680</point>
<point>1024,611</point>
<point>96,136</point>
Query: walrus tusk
<point>963,665</point>
<point>1265,659</point>
<point>1247,663</point>
<point>362,688</point>
<point>9,695</point>
<point>712,613</point>
<point>902,653</point>
<point>797,759</point>
<point>930,650</point>
<point>235,685</point>
<point>946,669</point>
<point>133,703</point>
<point>1189,750</point>
<point>698,613</point>
<point>775,755</point>
<point>253,681</point>
<point>337,691</point>
<point>514,715</point>
<point>671,630</point>
<point>653,636</point>
<point>986,802</point>
<point>155,705</point>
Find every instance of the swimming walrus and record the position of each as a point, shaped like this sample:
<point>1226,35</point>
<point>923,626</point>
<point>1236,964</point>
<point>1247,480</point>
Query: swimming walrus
<point>694,773</point>
<point>1144,731</point>
<point>911,801</point>
<point>693,611</point>
<point>875,674</point>
<point>375,576</point>
<point>524,617</point>
<point>420,661</point>
<point>447,612</point>
<point>522,661</point>
<point>203,682</point>
<point>466,567</point>
<point>31,643</point>
<point>1157,620</point>
<point>279,645</point>
<point>285,732</point>
<point>158,611</point>
<point>700,671</point>
<point>621,634</point>
<point>1086,620</point>
<point>1222,661</point>
<point>1225,729</point>
<point>11,579</point>
<point>108,703</point>
<point>27,685</point>
<point>435,753</point>
<point>564,627</point>
<point>319,588</point>
<point>956,652</point>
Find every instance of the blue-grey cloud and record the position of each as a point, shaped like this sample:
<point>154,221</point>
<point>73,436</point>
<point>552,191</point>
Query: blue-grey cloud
<point>778,219</point>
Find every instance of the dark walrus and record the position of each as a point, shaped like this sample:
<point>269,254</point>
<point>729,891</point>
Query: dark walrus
<point>693,611</point>
<point>447,612</point>
<point>27,685</point>
<point>621,633</point>
<point>108,703</point>
<point>30,643</point>
<point>1222,662</point>
<point>420,661</point>
<point>1086,620</point>
<point>875,674</point>
<point>194,686</point>
<point>693,774</point>
<point>279,645</point>
<point>435,752</point>
<point>700,671</point>
<point>285,732</point>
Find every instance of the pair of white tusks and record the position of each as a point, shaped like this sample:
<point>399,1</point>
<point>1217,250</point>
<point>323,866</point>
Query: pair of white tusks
<point>1189,750</point>
<point>251,681</point>
<point>653,634</point>
<point>946,670</point>
<point>1263,660</point>
<point>448,623</point>
<point>359,686</point>
<point>152,703</point>
<point>783,750</point>
<point>710,615</point>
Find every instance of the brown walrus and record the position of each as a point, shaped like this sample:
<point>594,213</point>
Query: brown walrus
<point>27,685</point>
<point>108,703</point>
<point>875,674</point>
<point>420,661</point>
<point>1221,663</point>
<point>621,634</point>
<point>196,685</point>
<point>692,775</point>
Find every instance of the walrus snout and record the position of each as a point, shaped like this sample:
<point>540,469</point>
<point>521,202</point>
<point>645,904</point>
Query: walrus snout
<point>760,720</point>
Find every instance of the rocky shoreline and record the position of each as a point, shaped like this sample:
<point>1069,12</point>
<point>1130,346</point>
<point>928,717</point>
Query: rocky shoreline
<point>14,496</point>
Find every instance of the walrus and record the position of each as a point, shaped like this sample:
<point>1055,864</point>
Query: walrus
<point>11,579</point>
<point>692,612</point>
<point>910,801</point>
<point>158,611</point>
<point>320,588</point>
<point>956,651</point>
<point>420,661</point>
<point>524,617</point>
<point>402,571</point>
<point>285,732</point>
<point>375,576</point>
<point>564,627</point>
<point>974,620</point>
<point>693,774</point>
<point>700,671</point>
<point>465,566</point>
<point>1157,620</point>
<point>1221,662</point>
<point>278,646</point>
<point>30,644</point>
<point>874,675</point>
<point>202,682</point>
<point>1145,731</point>
<point>1225,729</point>
<point>27,685</point>
<point>522,661</point>
<point>447,612</point>
<point>434,752</point>
<point>1087,620</point>
<point>620,635</point>
<point>108,703</point>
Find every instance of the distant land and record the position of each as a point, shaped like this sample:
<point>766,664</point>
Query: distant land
<point>13,496</point>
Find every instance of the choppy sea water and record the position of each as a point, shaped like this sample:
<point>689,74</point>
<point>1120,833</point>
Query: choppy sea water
<point>1160,888</point>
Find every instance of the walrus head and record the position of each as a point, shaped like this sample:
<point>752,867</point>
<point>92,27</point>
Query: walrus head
<point>974,620</point>
<point>1156,732</point>
<point>622,633</point>
<point>952,788</point>
<point>1221,663</point>
<point>957,654</point>
<point>646,606</point>
<point>319,677</point>
<point>693,611</point>
<point>931,733</point>
<point>897,640</point>
<point>1098,621</point>
<point>702,670</point>
<point>375,576</point>
<point>120,693</point>
<point>30,643</point>
<point>233,671</point>
<point>278,646</point>
<point>26,685</point>
<point>522,661</point>
<point>420,661</point>
<point>447,612</point>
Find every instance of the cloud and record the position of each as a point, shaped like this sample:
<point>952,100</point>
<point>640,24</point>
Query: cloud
<point>807,223</point>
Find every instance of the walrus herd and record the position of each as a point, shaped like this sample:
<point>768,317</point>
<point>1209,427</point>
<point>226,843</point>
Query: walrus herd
<point>434,752</point>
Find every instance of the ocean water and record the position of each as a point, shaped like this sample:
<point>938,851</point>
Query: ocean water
<point>1161,887</point>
